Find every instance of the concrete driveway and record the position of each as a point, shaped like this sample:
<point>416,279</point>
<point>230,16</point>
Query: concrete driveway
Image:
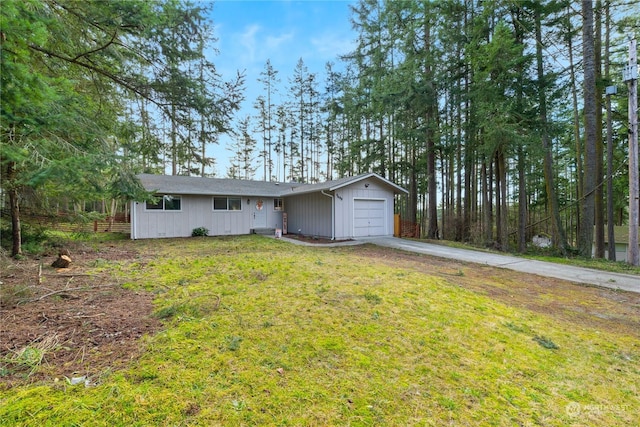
<point>627,282</point>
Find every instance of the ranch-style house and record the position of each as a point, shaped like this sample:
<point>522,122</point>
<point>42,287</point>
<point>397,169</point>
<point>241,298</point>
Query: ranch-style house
<point>345,208</point>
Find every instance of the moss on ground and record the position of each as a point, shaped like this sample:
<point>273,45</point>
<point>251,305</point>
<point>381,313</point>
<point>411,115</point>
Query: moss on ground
<point>261,332</point>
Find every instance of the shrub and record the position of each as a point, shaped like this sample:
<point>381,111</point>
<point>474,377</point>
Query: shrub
<point>200,231</point>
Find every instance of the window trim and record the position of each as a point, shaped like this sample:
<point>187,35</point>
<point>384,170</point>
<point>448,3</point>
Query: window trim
<point>228,199</point>
<point>163,199</point>
<point>278,204</point>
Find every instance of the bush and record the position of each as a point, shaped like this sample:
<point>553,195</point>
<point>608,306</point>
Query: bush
<point>33,237</point>
<point>200,231</point>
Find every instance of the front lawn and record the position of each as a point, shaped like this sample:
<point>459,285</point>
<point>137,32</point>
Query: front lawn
<point>258,331</point>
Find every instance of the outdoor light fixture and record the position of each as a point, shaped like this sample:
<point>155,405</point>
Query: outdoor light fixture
<point>366,185</point>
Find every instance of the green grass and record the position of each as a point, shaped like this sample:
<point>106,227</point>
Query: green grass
<point>545,255</point>
<point>262,332</point>
<point>598,264</point>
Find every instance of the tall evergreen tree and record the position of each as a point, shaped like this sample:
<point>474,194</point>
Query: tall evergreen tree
<point>70,71</point>
<point>266,111</point>
<point>585,236</point>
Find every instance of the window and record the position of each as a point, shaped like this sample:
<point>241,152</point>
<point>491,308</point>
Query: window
<point>157,205</point>
<point>165,202</point>
<point>235,204</point>
<point>171,203</point>
<point>219,203</point>
<point>227,204</point>
<point>278,204</point>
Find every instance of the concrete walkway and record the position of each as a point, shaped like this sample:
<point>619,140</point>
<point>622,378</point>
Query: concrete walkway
<point>627,282</point>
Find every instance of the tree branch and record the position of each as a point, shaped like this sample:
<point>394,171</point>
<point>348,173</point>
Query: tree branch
<point>98,70</point>
<point>98,49</point>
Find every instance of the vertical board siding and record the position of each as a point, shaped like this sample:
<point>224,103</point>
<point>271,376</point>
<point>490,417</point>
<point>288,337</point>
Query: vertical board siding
<point>346,203</point>
<point>309,214</point>
<point>197,211</point>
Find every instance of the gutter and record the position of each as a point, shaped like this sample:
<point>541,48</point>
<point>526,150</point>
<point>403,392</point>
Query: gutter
<point>333,210</point>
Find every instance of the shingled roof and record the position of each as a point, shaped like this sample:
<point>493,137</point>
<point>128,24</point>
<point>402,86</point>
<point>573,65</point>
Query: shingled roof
<point>195,185</point>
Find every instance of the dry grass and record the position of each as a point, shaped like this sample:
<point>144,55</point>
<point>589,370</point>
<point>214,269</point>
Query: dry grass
<point>30,357</point>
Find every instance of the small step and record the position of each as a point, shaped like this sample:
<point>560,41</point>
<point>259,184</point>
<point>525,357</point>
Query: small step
<point>264,231</point>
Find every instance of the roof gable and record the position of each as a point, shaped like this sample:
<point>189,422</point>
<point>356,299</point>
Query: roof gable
<point>344,182</point>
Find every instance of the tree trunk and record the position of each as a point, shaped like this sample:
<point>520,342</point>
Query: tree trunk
<point>412,202</point>
<point>460,233</point>
<point>610,217</point>
<point>522,201</point>
<point>576,124</point>
<point>585,236</point>
<point>174,141</point>
<point>521,150</point>
<point>558,235</point>
<point>502,216</point>
<point>469,158</point>
<point>486,204</point>
<point>599,170</point>
<point>432,230</point>
<point>14,208</point>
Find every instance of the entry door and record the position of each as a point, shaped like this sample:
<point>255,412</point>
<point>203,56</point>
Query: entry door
<point>259,214</point>
<point>369,217</point>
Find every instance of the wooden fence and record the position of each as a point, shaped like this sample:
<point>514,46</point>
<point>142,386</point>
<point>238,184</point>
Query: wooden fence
<point>404,228</point>
<point>121,223</point>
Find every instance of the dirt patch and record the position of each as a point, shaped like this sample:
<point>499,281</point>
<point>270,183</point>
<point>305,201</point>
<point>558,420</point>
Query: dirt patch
<point>69,322</point>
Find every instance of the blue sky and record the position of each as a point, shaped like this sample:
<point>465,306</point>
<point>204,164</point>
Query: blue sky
<point>250,32</point>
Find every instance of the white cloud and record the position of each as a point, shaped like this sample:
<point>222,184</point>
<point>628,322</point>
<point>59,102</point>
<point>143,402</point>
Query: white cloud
<point>273,43</point>
<point>247,39</point>
<point>330,45</point>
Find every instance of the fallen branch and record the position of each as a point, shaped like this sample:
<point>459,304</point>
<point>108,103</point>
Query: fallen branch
<point>67,274</point>
<point>87,317</point>
<point>60,291</point>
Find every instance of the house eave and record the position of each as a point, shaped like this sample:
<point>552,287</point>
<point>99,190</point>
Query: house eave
<point>397,188</point>
<point>199,186</point>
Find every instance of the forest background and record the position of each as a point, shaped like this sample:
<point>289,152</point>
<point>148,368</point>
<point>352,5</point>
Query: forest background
<point>492,114</point>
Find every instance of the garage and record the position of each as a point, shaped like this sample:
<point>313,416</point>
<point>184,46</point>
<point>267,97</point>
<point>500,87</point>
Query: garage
<point>369,218</point>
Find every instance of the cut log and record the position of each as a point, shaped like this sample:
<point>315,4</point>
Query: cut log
<point>64,251</point>
<point>63,261</point>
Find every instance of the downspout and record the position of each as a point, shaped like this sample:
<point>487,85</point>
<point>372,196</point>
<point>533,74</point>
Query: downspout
<point>333,210</point>
<point>133,219</point>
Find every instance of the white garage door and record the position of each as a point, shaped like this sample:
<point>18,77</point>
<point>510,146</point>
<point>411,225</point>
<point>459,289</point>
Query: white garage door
<point>369,218</point>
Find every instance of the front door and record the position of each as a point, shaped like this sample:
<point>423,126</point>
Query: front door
<point>259,214</point>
